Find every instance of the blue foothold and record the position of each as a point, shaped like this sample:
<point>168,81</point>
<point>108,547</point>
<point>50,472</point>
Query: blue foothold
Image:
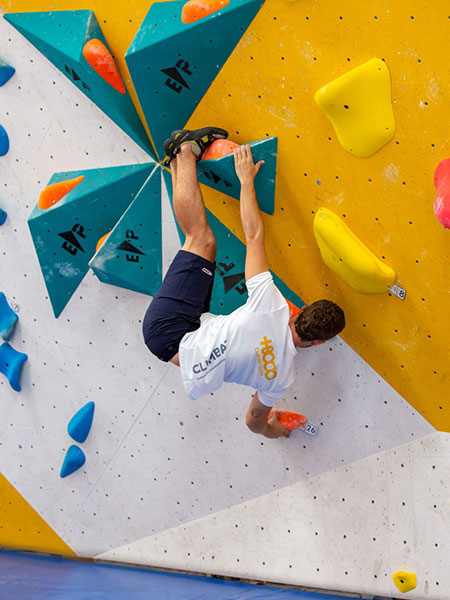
<point>3,216</point>
<point>74,459</point>
<point>6,72</point>
<point>8,318</point>
<point>11,363</point>
<point>4,141</point>
<point>80,424</point>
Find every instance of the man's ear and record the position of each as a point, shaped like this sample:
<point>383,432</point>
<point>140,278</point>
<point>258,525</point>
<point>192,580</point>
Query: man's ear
<point>317,342</point>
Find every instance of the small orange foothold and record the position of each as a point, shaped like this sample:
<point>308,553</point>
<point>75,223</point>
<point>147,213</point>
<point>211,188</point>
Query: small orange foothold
<point>54,192</point>
<point>218,149</point>
<point>101,241</point>
<point>101,60</point>
<point>289,420</point>
<point>194,10</point>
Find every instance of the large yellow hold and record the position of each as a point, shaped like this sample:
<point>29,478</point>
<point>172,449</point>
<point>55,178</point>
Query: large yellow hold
<point>359,106</point>
<point>348,257</point>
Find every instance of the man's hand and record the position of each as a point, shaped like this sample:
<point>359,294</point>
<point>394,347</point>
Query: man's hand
<point>257,420</point>
<point>275,429</point>
<point>246,170</point>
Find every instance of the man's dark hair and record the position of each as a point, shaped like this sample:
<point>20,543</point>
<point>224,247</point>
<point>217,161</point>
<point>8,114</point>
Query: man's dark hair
<point>320,320</point>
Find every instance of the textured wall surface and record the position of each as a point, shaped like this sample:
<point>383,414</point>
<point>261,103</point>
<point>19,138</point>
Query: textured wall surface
<point>184,485</point>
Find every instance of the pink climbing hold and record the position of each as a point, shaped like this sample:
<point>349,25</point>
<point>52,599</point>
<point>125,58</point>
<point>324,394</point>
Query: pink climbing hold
<point>442,199</point>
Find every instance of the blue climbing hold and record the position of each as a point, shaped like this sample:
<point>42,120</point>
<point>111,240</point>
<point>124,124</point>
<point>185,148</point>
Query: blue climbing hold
<point>6,72</point>
<point>4,141</point>
<point>74,459</point>
<point>3,216</point>
<point>11,363</point>
<point>80,424</point>
<point>8,318</point>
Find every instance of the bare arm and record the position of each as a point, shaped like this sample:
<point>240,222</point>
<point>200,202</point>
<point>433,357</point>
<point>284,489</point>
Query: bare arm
<point>252,223</point>
<point>257,420</point>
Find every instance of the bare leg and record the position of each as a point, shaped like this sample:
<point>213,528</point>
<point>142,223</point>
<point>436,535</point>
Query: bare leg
<point>189,207</point>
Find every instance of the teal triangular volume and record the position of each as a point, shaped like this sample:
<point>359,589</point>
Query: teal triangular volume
<point>172,64</point>
<point>61,36</point>
<point>230,290</point>
<point>65,236</point>
<point>131,256</point>
<point>220,173</point>
<point>80,424</point>
<point>168,182</point>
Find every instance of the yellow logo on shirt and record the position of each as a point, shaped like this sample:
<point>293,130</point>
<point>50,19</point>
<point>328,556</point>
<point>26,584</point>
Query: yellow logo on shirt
<point>266,359</point>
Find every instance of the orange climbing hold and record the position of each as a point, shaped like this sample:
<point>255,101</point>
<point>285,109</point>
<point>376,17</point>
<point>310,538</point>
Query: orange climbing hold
<point>101,60</point>
<point>293,310</point>
<point>54,192</point>
<point>289,420</point>
<point>194,10</point>
<point>219,148</point>
<point>101,241</point>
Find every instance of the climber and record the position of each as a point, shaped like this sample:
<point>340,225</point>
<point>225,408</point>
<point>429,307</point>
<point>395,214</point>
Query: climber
<point>256,344</point>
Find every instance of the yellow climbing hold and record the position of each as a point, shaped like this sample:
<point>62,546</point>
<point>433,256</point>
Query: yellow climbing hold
<point>405,582</point>
<point>348,257</point>
<point>359,106</point>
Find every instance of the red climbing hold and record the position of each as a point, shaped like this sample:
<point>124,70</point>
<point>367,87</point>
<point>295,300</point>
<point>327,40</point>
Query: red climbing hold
<point>289,420</point>
<point>101,60</point>
<point>219,148</point>
<point>442,199</point>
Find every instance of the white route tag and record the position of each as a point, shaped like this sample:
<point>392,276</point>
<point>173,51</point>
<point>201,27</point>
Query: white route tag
<point>309,428</point>
<point>398,291</point>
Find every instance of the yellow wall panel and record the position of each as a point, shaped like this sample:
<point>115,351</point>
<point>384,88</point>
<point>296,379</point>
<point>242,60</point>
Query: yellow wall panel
<point>22,527</point>
<point>266,88</point>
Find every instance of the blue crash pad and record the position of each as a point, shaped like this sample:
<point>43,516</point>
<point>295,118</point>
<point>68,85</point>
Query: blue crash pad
<point>34,577</point>
<point>61,36</point>
<point>131,256</point>
<point>11,363</point>
<point>8,318</point>
<point>74,459</point>
<point>220,174</point>
<point>6,72</point>
<point>173,64</point>
<point>80,424</point>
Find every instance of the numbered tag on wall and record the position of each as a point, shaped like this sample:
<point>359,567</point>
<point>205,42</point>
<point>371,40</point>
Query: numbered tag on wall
<point>398,291</point>
<point>309,428</point>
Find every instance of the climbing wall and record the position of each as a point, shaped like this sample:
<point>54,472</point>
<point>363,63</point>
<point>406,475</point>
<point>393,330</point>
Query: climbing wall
<point>171,483</point>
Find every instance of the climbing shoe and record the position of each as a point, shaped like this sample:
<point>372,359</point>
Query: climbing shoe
<point>199,139</point>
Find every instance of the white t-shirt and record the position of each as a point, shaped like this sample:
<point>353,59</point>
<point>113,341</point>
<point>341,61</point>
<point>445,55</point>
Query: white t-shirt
<point>253,346</point>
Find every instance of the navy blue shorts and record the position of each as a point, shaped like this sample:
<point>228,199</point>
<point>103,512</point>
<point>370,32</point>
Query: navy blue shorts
<point>175,310</point>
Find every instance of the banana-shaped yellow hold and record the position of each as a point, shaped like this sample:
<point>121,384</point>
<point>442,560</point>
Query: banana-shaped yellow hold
<point>348,257</point>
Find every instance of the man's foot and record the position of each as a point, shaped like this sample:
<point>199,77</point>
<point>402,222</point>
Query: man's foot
<point>199,139</point>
